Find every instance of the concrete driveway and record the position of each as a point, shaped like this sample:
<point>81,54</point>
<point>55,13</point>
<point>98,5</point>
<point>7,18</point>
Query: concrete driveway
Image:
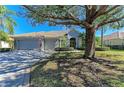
<point>15,66</point>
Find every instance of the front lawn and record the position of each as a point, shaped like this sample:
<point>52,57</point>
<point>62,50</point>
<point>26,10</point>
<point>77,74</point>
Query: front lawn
<point>70,69</point>
<point>117,55</point>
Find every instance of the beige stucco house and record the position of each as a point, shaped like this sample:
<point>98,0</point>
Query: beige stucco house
<point>47,40</point>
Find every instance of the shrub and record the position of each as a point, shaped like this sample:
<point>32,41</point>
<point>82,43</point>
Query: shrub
<point>80,48</point>
<point>5,49</point>
<point>120,47</point>
<point>64,49</point>
<point>102,49</point>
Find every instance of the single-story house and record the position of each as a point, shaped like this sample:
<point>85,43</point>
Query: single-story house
<point>47,40</point>
<point>115,40</point>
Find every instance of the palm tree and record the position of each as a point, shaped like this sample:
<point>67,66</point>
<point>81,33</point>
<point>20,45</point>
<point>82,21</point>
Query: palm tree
<point>6,23</point>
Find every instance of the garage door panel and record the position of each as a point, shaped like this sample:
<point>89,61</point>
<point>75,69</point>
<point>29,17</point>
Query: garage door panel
<point>27,44</point>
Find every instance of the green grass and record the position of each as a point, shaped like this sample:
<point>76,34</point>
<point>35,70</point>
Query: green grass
<point>117,55</point>
<point>115,82</point>
<point>75,71</point>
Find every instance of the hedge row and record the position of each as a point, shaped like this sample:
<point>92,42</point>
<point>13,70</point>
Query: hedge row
<point>98,48</point>
<point>102,49</point>
<point>64,49</point>
<point>71,49</point>
<point>5,49</point>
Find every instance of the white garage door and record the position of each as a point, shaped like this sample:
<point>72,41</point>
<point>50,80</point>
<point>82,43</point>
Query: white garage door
<point>27,44</point>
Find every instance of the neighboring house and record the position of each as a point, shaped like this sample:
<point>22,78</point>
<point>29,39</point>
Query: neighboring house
<point>115,40</point>
<point>4,44</point>
<point>47,40</point>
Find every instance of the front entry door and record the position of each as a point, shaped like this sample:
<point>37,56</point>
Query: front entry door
<point>73,42</point>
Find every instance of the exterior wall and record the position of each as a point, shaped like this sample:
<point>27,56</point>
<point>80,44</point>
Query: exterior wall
<point>114,42</point>
<point>73,34</point>
<point>4,44</point>
<point>51,43</point>
<point>80,42</point>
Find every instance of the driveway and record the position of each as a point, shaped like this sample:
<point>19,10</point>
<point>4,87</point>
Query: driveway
<point>15,66</point>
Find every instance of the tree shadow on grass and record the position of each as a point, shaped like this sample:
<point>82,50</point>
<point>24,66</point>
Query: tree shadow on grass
<point>57,72</point>
<point>111,64</point>
<point>71,70</point>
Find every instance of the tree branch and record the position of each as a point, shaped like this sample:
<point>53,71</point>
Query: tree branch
<point>110,21</point>
<point>111,9</point>
<point>102,11</point>
<point>48,16</point>
<point>64,23</point>
<point>74,21</point>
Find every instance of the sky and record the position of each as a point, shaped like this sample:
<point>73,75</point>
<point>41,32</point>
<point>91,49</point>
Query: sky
<point>24,26</point>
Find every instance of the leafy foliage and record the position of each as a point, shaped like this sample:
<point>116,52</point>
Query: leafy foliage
<point>82,36</point>
<point>63,41</point>
<point>98,41</point>
<point>4,36</point>
<point>76,15</point>
<point>6,23</point>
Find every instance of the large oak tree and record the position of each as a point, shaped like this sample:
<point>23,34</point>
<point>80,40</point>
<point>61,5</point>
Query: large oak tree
<point>90,17</point>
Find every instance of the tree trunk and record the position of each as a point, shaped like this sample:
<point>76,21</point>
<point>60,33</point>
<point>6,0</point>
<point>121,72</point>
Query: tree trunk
<point>90,43</point>
<point>102,38</point>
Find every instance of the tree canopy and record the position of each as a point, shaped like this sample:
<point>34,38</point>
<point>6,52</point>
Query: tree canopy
<point>77,15</point>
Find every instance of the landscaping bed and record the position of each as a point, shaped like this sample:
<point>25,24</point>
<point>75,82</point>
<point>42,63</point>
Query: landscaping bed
<point>5,49</point>
<point>70,69</point>
<point>64,49</point>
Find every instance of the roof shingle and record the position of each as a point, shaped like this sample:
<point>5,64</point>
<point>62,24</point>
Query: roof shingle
<point>114,35</point>
<point>50,34</point>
